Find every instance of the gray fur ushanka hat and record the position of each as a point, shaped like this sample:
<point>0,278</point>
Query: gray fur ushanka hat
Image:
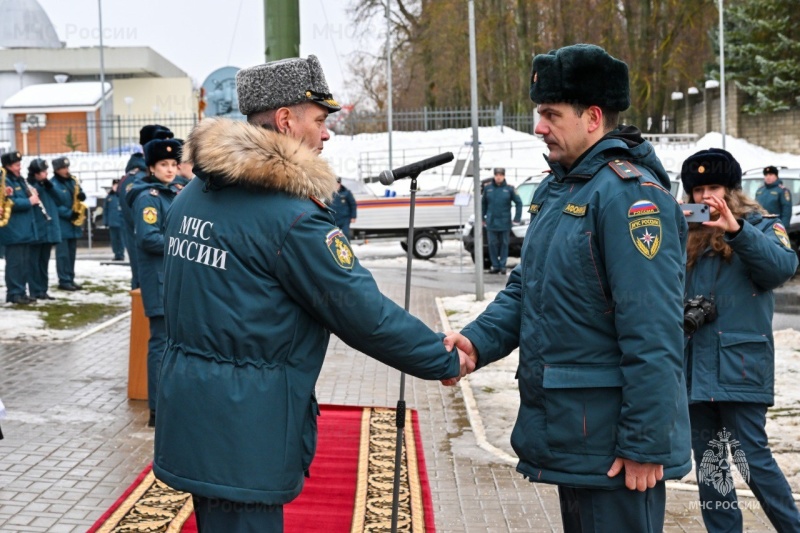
<point>283,83</point>
<point>581,74</point>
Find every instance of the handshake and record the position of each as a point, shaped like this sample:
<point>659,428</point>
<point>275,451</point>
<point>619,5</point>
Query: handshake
<point>467,355</point>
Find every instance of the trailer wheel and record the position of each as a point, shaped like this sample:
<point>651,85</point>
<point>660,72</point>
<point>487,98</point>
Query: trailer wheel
<point>425,246</point>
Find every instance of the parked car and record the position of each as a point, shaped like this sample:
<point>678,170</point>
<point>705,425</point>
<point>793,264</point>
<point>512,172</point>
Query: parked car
<point>790,177</point>
<point>516,234</point>
<point>675,185</point>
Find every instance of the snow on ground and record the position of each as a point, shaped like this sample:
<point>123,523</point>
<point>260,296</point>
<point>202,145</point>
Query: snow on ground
<point>21,323</point>
<point>497,393</point>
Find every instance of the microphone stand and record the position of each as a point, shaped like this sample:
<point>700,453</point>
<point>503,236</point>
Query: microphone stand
<point>400,415</point>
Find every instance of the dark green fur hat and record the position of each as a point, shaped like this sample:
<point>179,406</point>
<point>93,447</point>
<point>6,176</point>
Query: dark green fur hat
<point>581,74</point>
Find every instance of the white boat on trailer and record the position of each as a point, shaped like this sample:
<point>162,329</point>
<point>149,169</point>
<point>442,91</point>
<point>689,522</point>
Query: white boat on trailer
<point>436,216</point>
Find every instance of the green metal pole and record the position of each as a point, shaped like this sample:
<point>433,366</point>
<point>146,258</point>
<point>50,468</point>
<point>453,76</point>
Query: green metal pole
<point>281,29</point>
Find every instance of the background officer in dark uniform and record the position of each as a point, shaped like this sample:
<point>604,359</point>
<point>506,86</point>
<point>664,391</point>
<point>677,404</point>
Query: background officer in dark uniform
<point>256,278</point>
<point>65,186</point>
<point>149,200</point>
<point>344,208</point>
<point>775,197</point>
<point>135,171</point>
<point>48,229</point>
<point>497,198</point>
<point>20,231</point>
<point>595,307</point>
<point>112,219</point>
<point>185,173</point>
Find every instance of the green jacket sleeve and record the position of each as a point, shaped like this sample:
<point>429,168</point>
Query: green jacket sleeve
<point>644,258</point>
<point>518,210</point>
<point>765,252</point>
<point>317,268</point>
<point>495,333</point>
<point>786,207</point>
<point>148,219</point>
<point>352,202</point>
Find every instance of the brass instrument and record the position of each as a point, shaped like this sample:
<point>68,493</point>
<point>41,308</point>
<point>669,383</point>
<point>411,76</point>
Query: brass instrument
<point>78,206</point>
<point>6,203</point>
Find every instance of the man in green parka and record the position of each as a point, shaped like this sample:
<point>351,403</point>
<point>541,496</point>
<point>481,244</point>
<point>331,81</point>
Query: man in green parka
<point>595,307</point>
<point>256,278</point>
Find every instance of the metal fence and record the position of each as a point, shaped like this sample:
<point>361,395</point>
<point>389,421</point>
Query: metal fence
<point>428,119</point>
<point>68,133</point>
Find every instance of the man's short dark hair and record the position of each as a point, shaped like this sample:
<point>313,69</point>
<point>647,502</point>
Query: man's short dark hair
<point>610,118</point>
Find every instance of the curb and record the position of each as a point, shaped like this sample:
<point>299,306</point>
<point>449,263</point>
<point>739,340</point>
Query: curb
<point>476,423</point>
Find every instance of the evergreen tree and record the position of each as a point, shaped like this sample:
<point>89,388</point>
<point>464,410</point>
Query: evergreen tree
<point>762,52</point>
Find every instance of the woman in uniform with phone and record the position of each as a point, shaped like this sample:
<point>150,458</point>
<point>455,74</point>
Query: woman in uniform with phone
<point>734,261</point>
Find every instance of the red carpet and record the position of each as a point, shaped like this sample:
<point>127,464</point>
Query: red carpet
<point>350,488</point>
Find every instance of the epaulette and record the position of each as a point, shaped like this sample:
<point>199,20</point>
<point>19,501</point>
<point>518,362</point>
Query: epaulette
<point>319,202</point>
<point>657,186</point>
<point>624,169</point>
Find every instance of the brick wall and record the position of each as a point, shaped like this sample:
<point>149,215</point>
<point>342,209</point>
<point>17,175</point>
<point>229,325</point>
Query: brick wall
<point>779,132</point>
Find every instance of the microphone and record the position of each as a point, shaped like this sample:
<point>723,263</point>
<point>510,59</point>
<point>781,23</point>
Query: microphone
<point>387,177</point>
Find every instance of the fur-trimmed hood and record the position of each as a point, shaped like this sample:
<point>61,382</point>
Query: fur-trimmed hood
<point>256,157</point>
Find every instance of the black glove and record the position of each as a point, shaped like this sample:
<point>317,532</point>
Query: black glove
<point>74,216</point>
<point>81,196</point>
<point>47,184</point>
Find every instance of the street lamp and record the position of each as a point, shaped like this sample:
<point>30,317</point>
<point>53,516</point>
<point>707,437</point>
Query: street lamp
<point>20,66</point>
<point>24,128</point>
<point>128,102</point>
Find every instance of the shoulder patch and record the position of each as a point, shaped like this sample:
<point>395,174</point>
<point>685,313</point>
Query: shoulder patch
<point>153,192</point>
<point>780,232</point>
<point>646,235</point>
<point>128,187</point>
<point>534,208</point>
<point>575,210</point>
<point>641,208</point>
<point>339,248</point>
<point>150,215</point>
<point>319,202</point>
<point>624,169</point>
<point>787,195</point>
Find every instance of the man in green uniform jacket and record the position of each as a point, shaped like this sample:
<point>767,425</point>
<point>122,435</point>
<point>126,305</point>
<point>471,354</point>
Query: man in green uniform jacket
<point>774,197</point>
<point>256,278</point>
<point>595,307</point>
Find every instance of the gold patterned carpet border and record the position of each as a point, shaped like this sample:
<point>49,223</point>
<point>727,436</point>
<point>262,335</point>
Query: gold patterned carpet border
<point>153,506</point>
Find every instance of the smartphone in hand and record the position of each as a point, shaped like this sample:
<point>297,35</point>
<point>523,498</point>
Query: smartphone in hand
<point>697,212</point>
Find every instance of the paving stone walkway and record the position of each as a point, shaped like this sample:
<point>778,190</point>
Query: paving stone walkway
<point>74,441</point>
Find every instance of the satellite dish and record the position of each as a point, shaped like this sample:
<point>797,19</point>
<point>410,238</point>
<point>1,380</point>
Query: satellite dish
<point>220,94</point>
